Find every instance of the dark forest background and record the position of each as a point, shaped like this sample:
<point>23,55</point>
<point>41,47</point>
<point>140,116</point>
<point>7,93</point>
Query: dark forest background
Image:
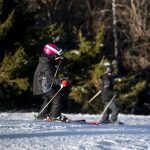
<point>92,33</point>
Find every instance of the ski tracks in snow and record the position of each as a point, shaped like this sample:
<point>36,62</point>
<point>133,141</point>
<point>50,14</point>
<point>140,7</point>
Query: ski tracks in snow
<point>21,131</point>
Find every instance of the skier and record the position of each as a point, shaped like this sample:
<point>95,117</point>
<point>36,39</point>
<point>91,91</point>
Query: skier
<point>107,93</point>
<point>46,84</point>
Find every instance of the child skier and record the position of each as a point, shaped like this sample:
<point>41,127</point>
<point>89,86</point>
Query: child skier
<point>107,93</point>
<point>46,84</point>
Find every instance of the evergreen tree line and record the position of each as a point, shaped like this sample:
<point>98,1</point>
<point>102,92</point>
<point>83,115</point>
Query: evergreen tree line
<point>91,33</point>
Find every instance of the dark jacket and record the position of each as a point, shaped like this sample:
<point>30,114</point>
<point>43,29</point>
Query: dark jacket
<point>44,76</point>
<point>107,91</point>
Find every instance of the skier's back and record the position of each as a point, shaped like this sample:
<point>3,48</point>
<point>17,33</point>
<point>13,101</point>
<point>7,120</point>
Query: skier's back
<point>107,93</point>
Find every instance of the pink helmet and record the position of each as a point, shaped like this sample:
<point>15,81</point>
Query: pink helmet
<point>51,49</point>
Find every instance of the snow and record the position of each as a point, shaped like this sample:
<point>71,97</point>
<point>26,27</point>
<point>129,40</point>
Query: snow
<point>20,131</point>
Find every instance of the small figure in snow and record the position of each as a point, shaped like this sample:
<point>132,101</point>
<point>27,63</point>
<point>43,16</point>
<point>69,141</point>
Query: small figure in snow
<point>107,94</point>
<point>45,82</point>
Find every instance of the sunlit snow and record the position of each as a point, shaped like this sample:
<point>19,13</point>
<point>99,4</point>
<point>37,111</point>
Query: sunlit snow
<point>20,131</point>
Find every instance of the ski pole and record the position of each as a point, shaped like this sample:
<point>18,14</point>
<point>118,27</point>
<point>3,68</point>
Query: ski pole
<point>56,72</point>
<point>94,96</point>
<point>57,69</point>
<point>49,102</point>
<point>108,104</point>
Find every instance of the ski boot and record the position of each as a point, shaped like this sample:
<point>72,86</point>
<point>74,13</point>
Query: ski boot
<point>63,118</point>
<point>115,122</point>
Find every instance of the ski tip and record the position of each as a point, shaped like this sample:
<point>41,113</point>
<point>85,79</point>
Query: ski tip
<point>95,123</point>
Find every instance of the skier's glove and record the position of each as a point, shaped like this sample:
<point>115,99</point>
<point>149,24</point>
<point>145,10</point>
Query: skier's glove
<point>59,59</point>
<point>64,83</point>
<point>116,93</point>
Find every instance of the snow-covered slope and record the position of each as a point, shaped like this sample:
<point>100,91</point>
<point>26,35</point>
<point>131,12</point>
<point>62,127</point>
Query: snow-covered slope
<point>19,131</point>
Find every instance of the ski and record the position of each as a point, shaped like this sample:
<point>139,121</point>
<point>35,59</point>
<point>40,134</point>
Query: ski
<point>94,123</point>
<point>68,121</point>
<point>82,121</point>
<point>65,119</point>
<point>98,123</point>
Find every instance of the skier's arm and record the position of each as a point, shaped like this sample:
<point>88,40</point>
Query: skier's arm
<point>52,79</point>
<point>55,80</point>
<point>107,84</point>
<point>106,81</point>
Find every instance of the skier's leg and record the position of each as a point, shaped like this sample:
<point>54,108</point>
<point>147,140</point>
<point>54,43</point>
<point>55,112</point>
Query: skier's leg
<point>114,107</point>
<point>56,107</point>
<point>105,117</point>
<point>44,113</point>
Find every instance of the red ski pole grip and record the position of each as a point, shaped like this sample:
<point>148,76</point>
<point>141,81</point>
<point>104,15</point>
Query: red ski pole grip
<point>64,83</point>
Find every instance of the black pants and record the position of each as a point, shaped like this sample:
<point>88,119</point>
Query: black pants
<point>54,108</point>
<point>113,109</point>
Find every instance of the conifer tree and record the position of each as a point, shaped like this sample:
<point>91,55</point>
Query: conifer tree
<point>11,83</point>
<point>84,69</point>
<point>6,24</point>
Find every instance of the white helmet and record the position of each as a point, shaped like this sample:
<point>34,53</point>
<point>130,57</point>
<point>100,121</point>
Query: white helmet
<point>109,69</point>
